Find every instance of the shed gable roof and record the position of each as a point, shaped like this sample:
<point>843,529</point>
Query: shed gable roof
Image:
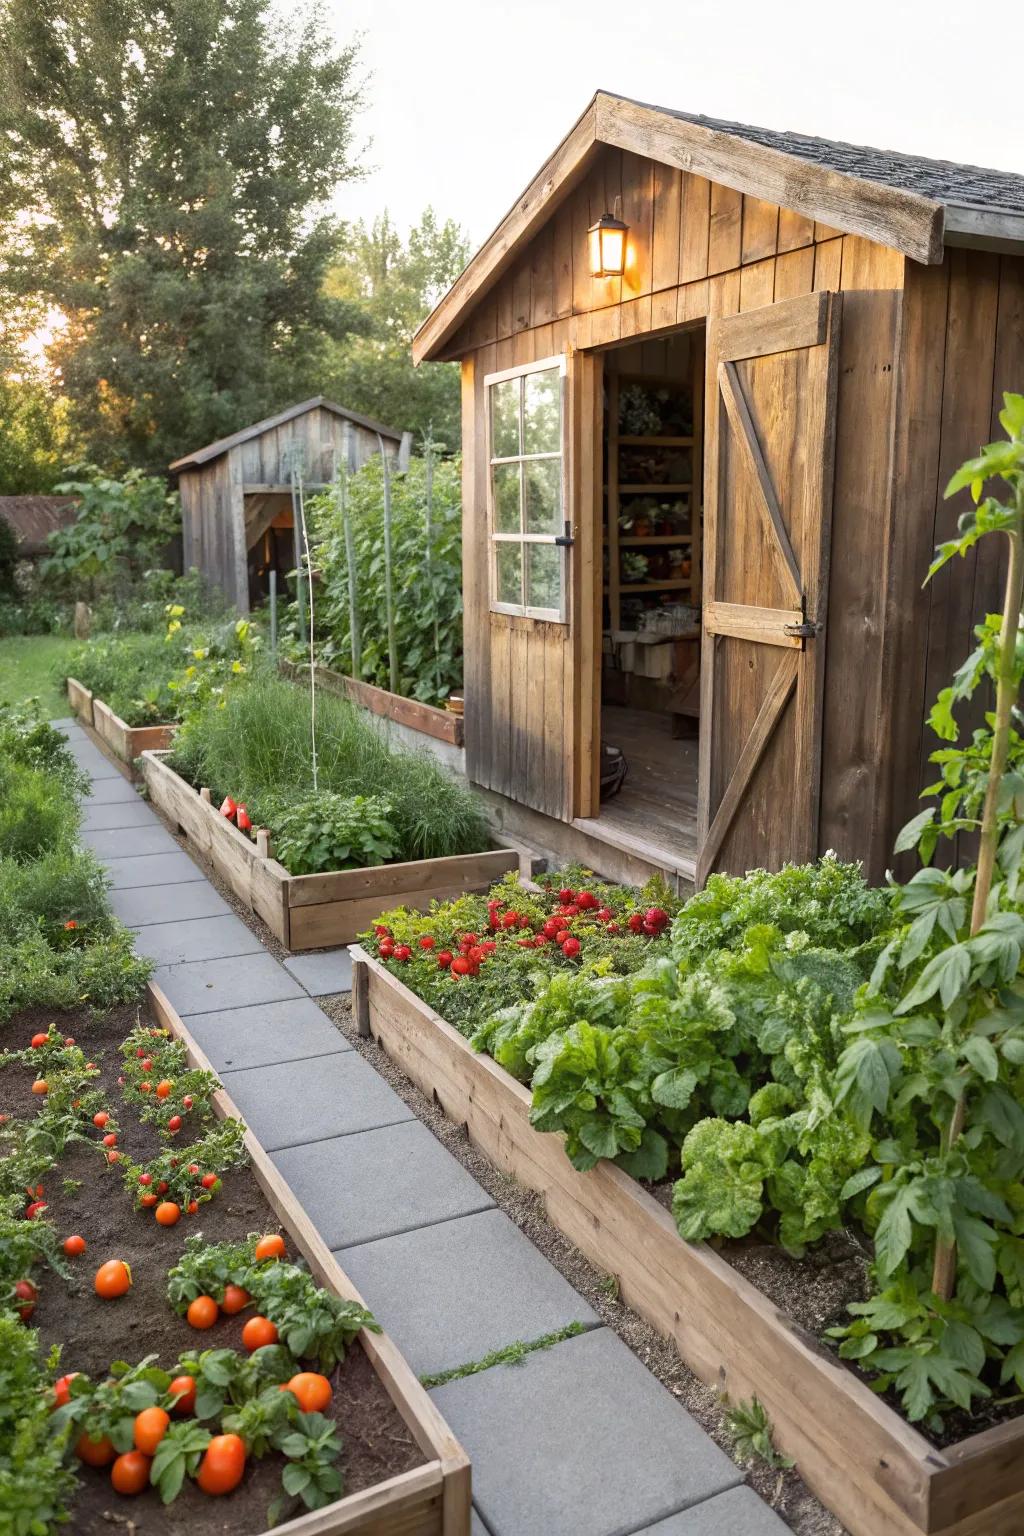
<point>907,202</point>
<point>33,518</point>
<point>214,450</point>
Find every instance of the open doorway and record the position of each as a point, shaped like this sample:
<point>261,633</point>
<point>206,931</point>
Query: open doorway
<point>650,664</point>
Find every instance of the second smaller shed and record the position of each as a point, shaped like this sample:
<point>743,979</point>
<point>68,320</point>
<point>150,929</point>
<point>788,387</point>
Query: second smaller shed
<point>237,493</point>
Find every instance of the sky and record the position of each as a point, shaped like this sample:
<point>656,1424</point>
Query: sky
<point>467,100</point>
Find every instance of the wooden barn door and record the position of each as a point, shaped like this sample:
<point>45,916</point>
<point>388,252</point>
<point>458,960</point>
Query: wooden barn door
<point>770,419</point>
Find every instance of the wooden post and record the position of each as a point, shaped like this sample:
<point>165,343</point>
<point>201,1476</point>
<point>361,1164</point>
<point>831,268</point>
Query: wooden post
<point>361,997</point>
<point>204,794</point>
<point>263,842</point>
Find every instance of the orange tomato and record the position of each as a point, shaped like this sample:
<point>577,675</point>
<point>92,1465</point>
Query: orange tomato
<point>130,1472</point>
<point>257,1332</point>
<point>95,1453</point>
<point>203,1312</point>
<point>112,1279</point>
<point>271,1247</point>
<point>222,1465</point>
<point>235,1298</point>
<point>167,1213</point>
<point>150,1428</point>
<point>73,1246</point>
<point>148,1201</point>
<point>40,1085</point>
<point>312,1390</point>
<point>184,1389</point>
<point>163,1089</point>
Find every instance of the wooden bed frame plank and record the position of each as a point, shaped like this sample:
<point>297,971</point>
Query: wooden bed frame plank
<point>433,1500</point>
<point>865,1462</point>
<point>313,911</point>
<point>442,724</point>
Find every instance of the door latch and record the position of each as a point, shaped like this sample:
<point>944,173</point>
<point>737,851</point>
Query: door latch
<point>805,631</point>
<point>566,539</point>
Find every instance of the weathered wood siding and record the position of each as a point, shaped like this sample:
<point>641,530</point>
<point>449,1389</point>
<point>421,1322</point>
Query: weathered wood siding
<point>213,498</point>
<point>962,346</point>
<point>697,250</point>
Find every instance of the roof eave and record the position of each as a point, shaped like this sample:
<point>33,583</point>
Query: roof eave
<point>890,216</point>
<point>200,457</point>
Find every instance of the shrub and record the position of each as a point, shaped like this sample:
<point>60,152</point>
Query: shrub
<point>255,743</point>
<point>25,737</point>
<point>427,581</point>
<point>101,973</point>
<point>8,560</point>
<point>35,1485</point>
<point>329,831</point>
<point>122,529</point>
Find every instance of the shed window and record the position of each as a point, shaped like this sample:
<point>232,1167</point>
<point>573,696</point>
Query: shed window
<point>526,502</point>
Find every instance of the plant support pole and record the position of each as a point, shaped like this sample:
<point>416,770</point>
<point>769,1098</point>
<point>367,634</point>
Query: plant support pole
<point>312,654</point>
<point>297,545</point>
<point>429,520</point>
<point>944,1268</point>
<point>389,602</point>
<point>355,638</point>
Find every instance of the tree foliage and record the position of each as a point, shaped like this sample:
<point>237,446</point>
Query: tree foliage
<point>164,171</point>
<point>394,284</point>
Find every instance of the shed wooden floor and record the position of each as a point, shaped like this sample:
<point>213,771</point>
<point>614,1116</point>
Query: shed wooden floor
<point>658,802</point>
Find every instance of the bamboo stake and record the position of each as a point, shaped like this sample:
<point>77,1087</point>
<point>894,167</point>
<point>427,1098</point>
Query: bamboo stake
<point>944,1266</point>
<point>389,604</point>
<point>312,654</point>
<point>428,450</point>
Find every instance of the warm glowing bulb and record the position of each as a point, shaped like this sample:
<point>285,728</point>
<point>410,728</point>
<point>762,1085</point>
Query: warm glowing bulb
<point>607,247</point>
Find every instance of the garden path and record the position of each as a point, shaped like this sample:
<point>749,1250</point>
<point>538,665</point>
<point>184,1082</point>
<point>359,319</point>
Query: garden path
<point>577,1440</point>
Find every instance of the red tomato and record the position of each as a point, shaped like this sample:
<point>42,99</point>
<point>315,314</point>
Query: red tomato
<point>235,1298</point>
<point>130,1472</point>
<point>587,901</point>
<point>203,1312</point>
<point>242,819</point>
<point>635,922</point>
<point>26,1293</point>
<point>566,894</point>
<point>150,1427</point>
<point>257,1332</point>
<point>145,1179</point>
<point>312,1390</point>
<point>61,1389</point>
<point>73,1246</point>
<point>164,1088</point>
<point>222,1465</point>
<point>461,966</point>
<point>402,952</point>
<point>110,1140</point>
<point>184,1389</point>
<point>186,1102</point>
<point>113,1157</point>
<point>427,941</point>
<point>112,1279</point>
<point>40,1085</point>
<point>38,1040</point>
<point>99,1120</point>
<point>95,1453</point>
<point>444,959</point>
<point>571,948</point>
<point>148,1201</point>
<point>210,1181</point>
<point>174,1123</point>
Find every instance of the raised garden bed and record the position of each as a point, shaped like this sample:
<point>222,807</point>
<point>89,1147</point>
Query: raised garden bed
<point>425,718</point>
<point>126,742</point>
<point>312,911</point>
<point>403,1470</point>
<point>875,1471</point>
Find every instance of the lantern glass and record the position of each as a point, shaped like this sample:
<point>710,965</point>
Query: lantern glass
<point>608,246</point>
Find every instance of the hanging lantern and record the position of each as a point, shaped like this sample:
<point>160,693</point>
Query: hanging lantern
<point>608,246</point>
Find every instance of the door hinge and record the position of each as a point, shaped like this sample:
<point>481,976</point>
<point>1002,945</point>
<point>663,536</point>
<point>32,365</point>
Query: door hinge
<point>566,539</point>
<point>805,631</point>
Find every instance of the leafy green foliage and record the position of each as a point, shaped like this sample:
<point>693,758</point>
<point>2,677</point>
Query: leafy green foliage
<point>189,247</point>
<point>255,743</point>
<point>107,1408</point>
<point>312,1447</point>
<point>122,528</point>
<point>427,576</point>
<point>35,1485</point>
<point>29,740</point>
<point>392,285</point>
<point>750,1430</point>
<point>177,1456</point>
<point>36,816</point>
<point>329,831</point>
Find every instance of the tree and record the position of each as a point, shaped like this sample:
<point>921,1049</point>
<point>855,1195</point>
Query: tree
<point>394,285</point>
<point>164,172</point>
<point>34,441</point>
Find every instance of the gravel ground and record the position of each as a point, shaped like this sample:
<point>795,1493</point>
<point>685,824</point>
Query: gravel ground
<point>784,1491</point>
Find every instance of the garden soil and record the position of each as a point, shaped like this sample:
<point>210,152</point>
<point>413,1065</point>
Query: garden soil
<point>87,1197</point>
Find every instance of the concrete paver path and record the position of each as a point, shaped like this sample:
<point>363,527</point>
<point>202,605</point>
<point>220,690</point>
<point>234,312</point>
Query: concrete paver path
<point>579,1439</point>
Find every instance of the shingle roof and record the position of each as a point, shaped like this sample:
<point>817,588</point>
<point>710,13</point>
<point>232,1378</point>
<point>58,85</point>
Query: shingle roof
<point>32,518</point>
<point>943,181</point>
<point>214,450</point>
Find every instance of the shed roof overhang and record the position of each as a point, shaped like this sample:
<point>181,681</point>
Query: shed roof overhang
<point>882,210</point>
<point>201,456</point>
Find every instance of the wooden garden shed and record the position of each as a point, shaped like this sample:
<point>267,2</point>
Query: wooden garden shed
<point>237,493</point>
<point>702,487</point>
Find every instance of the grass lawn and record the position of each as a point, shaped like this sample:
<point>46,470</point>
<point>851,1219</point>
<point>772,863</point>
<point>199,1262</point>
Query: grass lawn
<point>27,667</point>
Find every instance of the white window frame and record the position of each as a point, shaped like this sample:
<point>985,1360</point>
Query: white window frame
<point>523,610</point>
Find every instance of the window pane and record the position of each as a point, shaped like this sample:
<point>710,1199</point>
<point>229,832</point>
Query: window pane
<point>543,495</point>
<point>544,576</point>
<point>505,419</point>
<point>506,498</point>
<point>542,412</point>
<point>510,572</point>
